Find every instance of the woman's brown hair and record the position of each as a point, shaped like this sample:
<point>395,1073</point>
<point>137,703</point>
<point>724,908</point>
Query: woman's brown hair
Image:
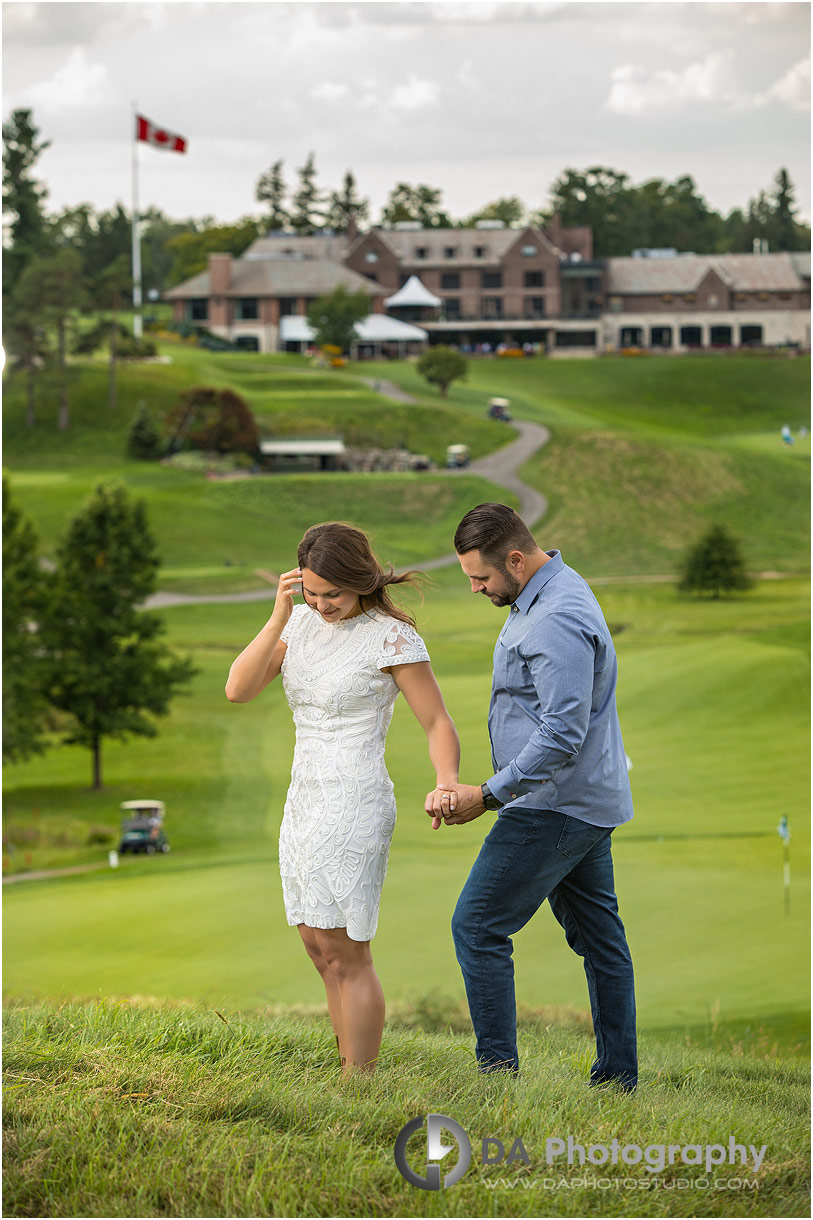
<point>341,554</point>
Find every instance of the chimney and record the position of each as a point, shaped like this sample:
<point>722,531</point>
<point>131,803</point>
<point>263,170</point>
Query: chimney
<point>351,232</point>
<point>219,273</point>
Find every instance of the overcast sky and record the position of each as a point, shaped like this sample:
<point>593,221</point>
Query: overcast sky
<point>480,99</point>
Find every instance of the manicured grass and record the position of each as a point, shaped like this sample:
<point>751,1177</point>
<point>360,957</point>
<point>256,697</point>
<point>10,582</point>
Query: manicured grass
<point>214,535</point>
<point>699,869</point>
<point>287,395</point>
<point>122,1109</point>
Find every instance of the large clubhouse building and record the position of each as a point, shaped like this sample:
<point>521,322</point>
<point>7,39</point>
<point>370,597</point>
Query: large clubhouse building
<point>494,286</point>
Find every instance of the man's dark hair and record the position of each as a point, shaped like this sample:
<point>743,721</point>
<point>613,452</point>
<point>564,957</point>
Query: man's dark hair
<point>493,530</point>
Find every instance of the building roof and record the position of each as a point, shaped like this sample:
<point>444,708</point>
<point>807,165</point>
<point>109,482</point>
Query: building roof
<point>376,328</point>
<point>291,245</point>
<point>742,272</point>
<point>413,292</point>
<point>495,244</point>
<point>308,447</point>
<point>272,277</point>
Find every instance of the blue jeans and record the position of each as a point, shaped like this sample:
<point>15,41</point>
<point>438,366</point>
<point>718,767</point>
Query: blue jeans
<point>530,855</point>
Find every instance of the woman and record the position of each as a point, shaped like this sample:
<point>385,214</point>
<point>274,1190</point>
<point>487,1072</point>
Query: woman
<point>343,656</point>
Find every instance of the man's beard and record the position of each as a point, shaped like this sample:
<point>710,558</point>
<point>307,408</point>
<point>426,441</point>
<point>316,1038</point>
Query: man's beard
<point>509,594</point>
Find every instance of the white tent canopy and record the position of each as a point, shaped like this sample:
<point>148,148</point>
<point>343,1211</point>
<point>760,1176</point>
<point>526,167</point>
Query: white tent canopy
<point>376,328</point>
<point>412,293</point>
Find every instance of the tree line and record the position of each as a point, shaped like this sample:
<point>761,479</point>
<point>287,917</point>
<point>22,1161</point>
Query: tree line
<point>622,215</point>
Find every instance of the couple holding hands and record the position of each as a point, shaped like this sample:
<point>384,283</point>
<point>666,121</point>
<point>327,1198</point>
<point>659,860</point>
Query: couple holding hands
<point>558,780</point>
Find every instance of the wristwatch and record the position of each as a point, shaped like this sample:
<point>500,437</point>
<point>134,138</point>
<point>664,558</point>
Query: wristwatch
<point>490,801</point>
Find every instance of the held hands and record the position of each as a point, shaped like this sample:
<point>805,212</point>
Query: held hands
<point>287,587</point>
<point>454,804</point>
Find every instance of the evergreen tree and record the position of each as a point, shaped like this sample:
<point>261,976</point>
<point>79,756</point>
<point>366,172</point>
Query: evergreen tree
<point>25,708</point>
<point>106,666</point>
<point>441,365</point>
<point>783,228</point>
<point>306,216</point>
<point>271,190</point>
<point>143,439</point>
<point>23,196</point>
<point>345,207</point>
<point>714,565</point>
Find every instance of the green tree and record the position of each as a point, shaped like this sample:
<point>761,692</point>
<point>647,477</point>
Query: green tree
<point>26,339</point>
<point>417,203</point>
<point>107,668</point>
<point>714,565</point>
<point>510,210</point>
<point>23,196</point>
<point>49,293</point>
<point>441,365</point>
<point>25,708</point>
<point>599,198</point>
<point>143,439</point>
<point>785,233</point>
<point>346,207</point>
<point>271,190</point>
<point>333,317</point>
<point>190,251</point>
<point>306,213</point>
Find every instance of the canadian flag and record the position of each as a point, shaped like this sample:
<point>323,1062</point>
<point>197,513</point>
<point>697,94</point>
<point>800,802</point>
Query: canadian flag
<point>158,136</point>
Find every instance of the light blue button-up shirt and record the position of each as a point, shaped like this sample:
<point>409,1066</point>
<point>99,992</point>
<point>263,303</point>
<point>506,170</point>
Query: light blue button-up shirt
<point>555,737</point>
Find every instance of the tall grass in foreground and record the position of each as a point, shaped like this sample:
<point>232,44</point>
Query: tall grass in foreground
<point>121,1109</point>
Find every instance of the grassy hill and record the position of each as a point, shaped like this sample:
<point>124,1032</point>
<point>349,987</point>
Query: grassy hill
<point>182,1111</point>
<point>136,1110</point>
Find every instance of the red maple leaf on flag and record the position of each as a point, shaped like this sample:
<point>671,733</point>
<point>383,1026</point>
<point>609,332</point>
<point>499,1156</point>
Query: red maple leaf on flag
<point>159,137</point>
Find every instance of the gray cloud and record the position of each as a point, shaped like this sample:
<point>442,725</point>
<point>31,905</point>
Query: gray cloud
<point>479,99</point>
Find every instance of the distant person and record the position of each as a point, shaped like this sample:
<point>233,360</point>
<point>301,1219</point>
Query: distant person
<point>560,787</point>
<point>787,435</point>
<point>343,656</point>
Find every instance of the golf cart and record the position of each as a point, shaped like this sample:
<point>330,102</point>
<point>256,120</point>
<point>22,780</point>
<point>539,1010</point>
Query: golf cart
<point>142,827</point>
<point>498,409</point>
<point>457,456</point>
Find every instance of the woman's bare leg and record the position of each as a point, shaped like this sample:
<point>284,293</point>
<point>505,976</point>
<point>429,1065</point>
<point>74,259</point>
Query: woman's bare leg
<point>334,1005</point>
<point>362,1009</point>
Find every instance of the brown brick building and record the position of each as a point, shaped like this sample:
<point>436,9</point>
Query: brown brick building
<point>517,286</point>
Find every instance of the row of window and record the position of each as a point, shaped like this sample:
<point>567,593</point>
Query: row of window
<point>246,309</point>
<point>690,336</point>
<point>424,252</point>
<point>491,308</point>
<point>450,280</point>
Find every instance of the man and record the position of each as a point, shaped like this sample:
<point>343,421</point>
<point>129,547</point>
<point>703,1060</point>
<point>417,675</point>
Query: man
<point>560,785</point>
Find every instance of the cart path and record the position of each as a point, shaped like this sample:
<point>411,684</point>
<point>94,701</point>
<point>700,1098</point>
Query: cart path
<point>500,467</point>
<point>389,388</point>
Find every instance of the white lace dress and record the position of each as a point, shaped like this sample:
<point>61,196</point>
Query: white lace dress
<point>340,810</point>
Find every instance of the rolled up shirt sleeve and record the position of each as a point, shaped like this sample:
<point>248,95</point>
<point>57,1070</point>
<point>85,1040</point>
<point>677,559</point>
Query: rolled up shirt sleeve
<point>549,682</point>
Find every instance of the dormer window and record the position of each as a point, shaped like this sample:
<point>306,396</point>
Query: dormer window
<point>421,252</point>
<point>479,251</point>
<point>449,251</point>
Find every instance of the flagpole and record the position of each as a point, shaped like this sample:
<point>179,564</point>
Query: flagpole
<point>137,327</point>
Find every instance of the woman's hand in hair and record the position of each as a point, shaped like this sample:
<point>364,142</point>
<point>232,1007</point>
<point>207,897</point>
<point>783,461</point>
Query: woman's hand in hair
<point>289,584</point>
